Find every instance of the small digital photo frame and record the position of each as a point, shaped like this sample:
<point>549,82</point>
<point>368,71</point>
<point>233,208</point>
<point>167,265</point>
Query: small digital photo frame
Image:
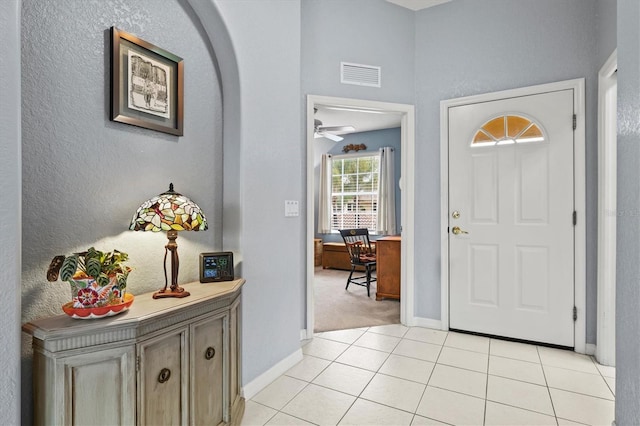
<point>216,267</point>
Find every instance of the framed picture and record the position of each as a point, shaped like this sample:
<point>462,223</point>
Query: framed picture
<point>146,84</point>
<point>216,267</point>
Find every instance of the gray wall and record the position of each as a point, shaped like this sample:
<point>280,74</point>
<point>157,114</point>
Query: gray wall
<point>374,140</point>
<point>266,39</point>
<point>628,235</point>
<point>83,175</point>
<point>370,32</point>
<point>10,201</point>
<point>470,47</point>
<point>606,24</point>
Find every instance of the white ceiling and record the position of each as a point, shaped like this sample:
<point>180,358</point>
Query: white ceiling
<point>363,120</point>
<point>417,4</point>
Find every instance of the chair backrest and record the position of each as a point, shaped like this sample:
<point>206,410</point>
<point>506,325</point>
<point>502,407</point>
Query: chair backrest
<point>358,244</point>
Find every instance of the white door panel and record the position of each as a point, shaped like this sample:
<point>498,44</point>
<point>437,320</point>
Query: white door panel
<point>512,274</point>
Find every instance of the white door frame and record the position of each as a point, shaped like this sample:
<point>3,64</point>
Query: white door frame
<point>607,187</point>
<point>579,193</point>
<point>407,143</point>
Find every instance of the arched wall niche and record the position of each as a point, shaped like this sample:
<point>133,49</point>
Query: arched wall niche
<point>220,40</point>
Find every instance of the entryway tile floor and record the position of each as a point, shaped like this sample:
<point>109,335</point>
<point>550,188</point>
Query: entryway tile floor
<point>397,375</point>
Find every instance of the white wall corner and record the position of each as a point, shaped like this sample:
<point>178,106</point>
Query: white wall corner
<point>252,388</point>
<point>590,349</point>
<point>428,323</point>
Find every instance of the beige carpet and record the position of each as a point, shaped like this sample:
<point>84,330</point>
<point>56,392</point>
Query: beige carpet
<point>337,309</point>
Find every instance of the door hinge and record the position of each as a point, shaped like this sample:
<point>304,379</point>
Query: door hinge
<point>575,121</point>
<point>575,313</point>
<point>138,363</point>
<point>575,218</point>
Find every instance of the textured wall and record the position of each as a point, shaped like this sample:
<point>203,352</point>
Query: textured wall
<point>10,226</point>
<point>469,47</point>
<point>370,32</point>
<point>628,234</point>
<point>266,39</point>
<point>606,24</point>
<point>83,175</point>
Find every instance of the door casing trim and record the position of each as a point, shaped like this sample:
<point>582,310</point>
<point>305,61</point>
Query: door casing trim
<point>607,184</point>
<point>580,290</point>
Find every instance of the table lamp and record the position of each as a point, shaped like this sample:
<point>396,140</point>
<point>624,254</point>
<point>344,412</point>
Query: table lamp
<point>171,212</point>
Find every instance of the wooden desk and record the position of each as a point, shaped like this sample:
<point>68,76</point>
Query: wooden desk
<point>388,267</point>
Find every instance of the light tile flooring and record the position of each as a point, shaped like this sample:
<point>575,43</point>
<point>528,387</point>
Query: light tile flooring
<point>395,375</point>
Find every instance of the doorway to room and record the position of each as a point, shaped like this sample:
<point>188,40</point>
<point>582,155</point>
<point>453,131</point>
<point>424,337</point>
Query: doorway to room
<point>345,108</point>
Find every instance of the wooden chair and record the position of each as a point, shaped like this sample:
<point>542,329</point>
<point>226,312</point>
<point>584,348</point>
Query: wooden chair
<point>360,254</point>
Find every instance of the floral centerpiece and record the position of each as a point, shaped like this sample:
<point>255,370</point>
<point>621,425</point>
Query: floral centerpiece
<point>97,278</point>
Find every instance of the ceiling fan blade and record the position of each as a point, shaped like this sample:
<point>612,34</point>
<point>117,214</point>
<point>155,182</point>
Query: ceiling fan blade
<point>333,137</point>
<point>336,128</point>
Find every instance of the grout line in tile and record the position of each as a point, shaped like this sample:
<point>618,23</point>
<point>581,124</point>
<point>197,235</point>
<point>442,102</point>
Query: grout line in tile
<point>271,408</point>
<point>583,394</point>
<point>295,417</point>
<point>458,392</point>
<point>523,408</point>
<point>430,418</point>
<point>572,421</point>
<point>544,375</point>
<point>486,388</point>
<point>395,408</point>
<point>517,359</point>
<point>402,378</point>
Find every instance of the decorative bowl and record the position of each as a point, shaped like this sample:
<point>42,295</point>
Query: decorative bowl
<point>98,312</point>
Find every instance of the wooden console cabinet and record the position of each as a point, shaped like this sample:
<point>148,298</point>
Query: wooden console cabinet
<point>163,362</point>
<point>388,267</point>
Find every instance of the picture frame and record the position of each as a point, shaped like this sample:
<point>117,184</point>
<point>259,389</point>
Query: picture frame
<point>147,84</point>
<point>216,266</point>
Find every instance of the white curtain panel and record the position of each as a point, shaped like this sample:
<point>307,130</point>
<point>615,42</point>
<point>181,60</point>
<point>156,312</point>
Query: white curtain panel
<point>386,193</point>
<point>324,204</point>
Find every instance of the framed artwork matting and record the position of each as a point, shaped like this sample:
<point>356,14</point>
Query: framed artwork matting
<point>147,84</point>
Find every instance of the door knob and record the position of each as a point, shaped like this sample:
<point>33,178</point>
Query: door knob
<point>457,231</point>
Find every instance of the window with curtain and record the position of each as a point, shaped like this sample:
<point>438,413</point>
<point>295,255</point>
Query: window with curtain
<point>354,192</point>
<point>357,191</point>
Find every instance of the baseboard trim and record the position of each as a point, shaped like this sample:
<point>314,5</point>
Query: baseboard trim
<point>427,322</point>
<point>590,349</point>
<point>304,335</point>
<point>256,385</point>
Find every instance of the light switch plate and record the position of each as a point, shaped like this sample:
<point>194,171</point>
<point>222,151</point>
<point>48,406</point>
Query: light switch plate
<point>291,208</point>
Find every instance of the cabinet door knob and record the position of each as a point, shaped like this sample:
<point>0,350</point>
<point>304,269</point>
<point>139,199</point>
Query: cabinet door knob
<point>209,353</point>
<point>164,375</point>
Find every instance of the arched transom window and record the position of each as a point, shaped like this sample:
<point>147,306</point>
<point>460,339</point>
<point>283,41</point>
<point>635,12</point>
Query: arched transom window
<point>507,129</point>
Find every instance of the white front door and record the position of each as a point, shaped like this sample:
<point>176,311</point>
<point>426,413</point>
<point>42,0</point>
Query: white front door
<point>511,207</point>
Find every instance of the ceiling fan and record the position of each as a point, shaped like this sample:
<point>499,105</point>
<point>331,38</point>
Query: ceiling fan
<point>320,131</point>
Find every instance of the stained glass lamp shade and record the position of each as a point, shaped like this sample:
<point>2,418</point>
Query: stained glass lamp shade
<point>171,212</point>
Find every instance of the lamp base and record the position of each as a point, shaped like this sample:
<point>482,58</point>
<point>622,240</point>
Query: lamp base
<point>167,292</point>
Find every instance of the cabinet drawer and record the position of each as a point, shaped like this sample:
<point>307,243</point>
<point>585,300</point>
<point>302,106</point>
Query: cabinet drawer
<point>163,380</point>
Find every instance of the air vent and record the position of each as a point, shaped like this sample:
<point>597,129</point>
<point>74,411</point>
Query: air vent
<point>361,75</point>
